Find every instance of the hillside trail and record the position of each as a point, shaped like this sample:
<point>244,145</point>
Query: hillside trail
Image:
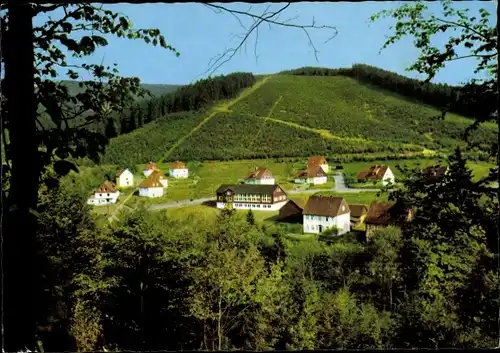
<point>219,108</point>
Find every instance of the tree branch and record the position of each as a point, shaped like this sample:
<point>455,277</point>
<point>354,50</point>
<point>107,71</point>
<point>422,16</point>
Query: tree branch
<point>269,17</point>
<point>456,24</point>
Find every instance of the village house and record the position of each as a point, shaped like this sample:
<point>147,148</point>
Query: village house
<point>376,173</point>
<point>314,161</point>
<point>291,212</point>
<point>324,212</point>
<point>178,170</point>
<point>105,194</point>
<point>260,176</point>
<point>152,186</point>
<point>150,168</point>
<point>251,196</point>
<point>161,177</point>
<point>124,178</point>
<point>358,214</point>
<point>435,172</point>
<point>312,175</point>
<point>381,215</point>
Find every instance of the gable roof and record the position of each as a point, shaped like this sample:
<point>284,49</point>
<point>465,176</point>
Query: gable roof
<point>297,204</point>
<point>106,187</point>
<point>374,172</point>
<point>435,171</point>
<point>177,165</point>
<point>121,171</point>
<point>358,210</point>
<point>329,206</point>
<point>259,173</point>
<point>379,213</point>
<point>152,181</point>
<point>311,172</point>
<point>248,188</point>
<point>158,174</point>
<point>315,161</point>
<point>151,166</point>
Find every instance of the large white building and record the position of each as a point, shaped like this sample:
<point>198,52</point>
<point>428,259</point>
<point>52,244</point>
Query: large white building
<point>323,212</point>
<point>178,170</point>
<point>124,178</point>
<point>251,196</point>
<point>105,194</point>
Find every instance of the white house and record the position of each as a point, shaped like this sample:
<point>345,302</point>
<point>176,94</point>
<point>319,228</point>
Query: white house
<point>312,175</point>
<point>178,170</point>
<point>150,168</point>
<point>323,212</point>
<point>151,187</point>
<point>161,177</point>
<point>251,196</point>
<point>376,173</point>
<point>105,194</point>
<point>314,161</point>
<point>124,178</point>
<point>260,176</point>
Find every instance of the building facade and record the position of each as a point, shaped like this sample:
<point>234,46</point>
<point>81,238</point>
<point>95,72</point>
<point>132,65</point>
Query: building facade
<point>325,212</point>
<point>251,196</point>
<point>178,170</point>
<point>125,178</point>
<point>105,194</point>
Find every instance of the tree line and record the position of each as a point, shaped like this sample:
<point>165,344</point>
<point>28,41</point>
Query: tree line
<point>187,98</point>
<point>443,96</point>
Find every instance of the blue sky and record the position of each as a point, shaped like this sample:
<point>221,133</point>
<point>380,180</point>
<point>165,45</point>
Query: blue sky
<point>200,34</point>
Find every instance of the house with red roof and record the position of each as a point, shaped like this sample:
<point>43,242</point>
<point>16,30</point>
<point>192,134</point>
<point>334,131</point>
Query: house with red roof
<point>259,176</point>
<point>376,174</point>
<point>105,194</point>
<point>178,170</point>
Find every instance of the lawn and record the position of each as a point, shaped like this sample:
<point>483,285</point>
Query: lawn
<point>206,177</point>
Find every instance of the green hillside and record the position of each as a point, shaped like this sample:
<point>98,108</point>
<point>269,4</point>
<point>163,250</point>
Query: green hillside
<point>292,116</point>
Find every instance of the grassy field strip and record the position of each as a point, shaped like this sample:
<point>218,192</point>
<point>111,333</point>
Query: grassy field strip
<point>215,110</point>
<point>274,106</point>
<point>323,133</point>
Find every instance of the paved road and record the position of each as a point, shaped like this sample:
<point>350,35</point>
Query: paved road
<point>180,203</point>
<point>339,187</point>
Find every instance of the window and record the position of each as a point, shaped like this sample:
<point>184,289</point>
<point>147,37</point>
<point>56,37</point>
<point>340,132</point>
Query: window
<point>220,198</point>
<point>108,194</point>
<point>327,219</point>
<point>100,194</point>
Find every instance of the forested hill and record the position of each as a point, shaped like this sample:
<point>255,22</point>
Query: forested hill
<point>441,96</point>
<point>285,115</point>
